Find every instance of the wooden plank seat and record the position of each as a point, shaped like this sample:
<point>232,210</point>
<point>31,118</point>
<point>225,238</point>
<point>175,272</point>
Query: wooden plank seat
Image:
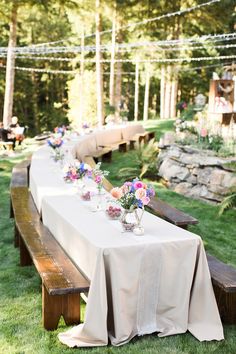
<point>103,153</point>
<point>223,278</point>
<point>139,137</point>
<point>62,282</point>
<point>171,214</point>
<point>6,145</point>
<point>158,207</point>
<point>120,145</point>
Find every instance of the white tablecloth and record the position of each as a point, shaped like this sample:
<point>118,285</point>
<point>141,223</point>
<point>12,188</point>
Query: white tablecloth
<point>158,282</point>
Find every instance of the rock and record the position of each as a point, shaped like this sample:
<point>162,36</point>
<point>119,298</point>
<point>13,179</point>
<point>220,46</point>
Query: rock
<point>192,179</point>
<point>183,188</point>
<point>202,192</point>
<point>222,181</point>
<point>196,173</point>
<point>169,169</point>
<point>204,175</point>
<point>167,139</point>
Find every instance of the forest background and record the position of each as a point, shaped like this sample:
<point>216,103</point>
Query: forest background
<point>43,100</point>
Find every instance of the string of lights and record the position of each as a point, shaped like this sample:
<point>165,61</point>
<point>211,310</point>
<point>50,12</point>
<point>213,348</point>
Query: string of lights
<point>67,59</point>
<point>134,24</point>
<point>69,72</point>
<point>39,70</point>
<point>160,43</point>
<point>161,17</point>
<point>165,60</point>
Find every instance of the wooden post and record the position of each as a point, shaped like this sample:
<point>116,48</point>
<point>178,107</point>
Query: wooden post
<point>10,71</point>
<point>81,86</point>
<point>112,66</point>
<point>136,91</point>
<point>100,112</point>
<point>146,96</point>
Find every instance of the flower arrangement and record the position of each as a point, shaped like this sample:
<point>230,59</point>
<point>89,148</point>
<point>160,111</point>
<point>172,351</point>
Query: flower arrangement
<point>76,171</point>
<point>85,125</point>
<point>99,175</point>
<point>55,142</point>
<point>133,195</point>
<point>60,130</point>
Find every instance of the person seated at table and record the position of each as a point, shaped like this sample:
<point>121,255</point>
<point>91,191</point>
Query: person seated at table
<point>15,127</point>
<point>4,135</point>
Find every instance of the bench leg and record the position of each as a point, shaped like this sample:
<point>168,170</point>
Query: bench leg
<point>142,138</point>
<point>226,304</point>
<point>55,306</point>
<point>11,210</point>
<point>123,147</point>
<point>107,157</point>
<point>151,136</point>
<point>16,237</point>
<point>25,258</point>
<point>132,145</point>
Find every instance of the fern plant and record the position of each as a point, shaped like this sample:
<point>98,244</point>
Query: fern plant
<point>228,202</point>
<point>145,158</point>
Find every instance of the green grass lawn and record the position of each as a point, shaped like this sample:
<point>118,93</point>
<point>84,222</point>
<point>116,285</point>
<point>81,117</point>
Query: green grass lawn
<point>20,288</point>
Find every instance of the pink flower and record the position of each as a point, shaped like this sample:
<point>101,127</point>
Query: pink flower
<point>125,188</point>
<point>140,193</point>
<point>116,193</point>
<point>129,184</point>
<point>138,185</point>
<point>203,132</point>
<point>98,179</point>
<point>145,200</point>
<point>73,171</point>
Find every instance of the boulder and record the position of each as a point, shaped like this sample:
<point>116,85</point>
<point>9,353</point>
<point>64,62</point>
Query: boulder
<point>204,175</point>
<point>169,169</point>
<point>183,188</point>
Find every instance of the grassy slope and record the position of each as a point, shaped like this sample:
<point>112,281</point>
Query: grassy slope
<point>20,289</point>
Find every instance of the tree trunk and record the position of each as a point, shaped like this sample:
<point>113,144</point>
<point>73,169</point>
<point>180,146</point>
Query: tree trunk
<point>10,71</point>
<point>174,90</point>
<point>146,96</point>
<point>162,96</point>
<point>136,91</point>
<point>167,92</point>
<point>81,86</point>
<point>36,121</point>
<point>100,108</point>
<point>118,75</point>
<point>112,66</point>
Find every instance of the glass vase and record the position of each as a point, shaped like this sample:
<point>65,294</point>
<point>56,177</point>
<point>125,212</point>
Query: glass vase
<point>57,155</point>
<point>139,229</point>
<point>128,220</point>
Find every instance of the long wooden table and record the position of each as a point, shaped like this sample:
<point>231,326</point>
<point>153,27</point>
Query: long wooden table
<point>159,282</point>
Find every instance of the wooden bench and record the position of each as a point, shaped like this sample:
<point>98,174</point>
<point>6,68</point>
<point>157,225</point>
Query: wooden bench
<point>105,154</point>
<point>62,282</point>
<point>157,206</point>
<point>6,145</point>
<point>122,146</point>
<point>171,214</point>
<point>139,137</point>
<point>223,278</point>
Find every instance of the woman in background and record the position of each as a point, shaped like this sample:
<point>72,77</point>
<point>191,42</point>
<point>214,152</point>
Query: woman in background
<point>15,127</point>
